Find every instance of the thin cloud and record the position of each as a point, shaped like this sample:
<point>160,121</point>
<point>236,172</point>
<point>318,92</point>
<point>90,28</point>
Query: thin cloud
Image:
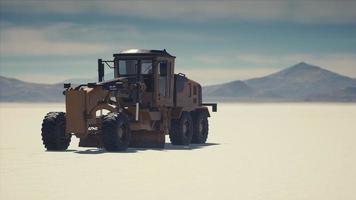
<point>62,39</point>
<point>306,12</point>
<point>77,39</point>
<point>32,41</point>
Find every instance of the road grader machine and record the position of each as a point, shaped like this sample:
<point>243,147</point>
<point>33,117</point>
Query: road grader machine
<point>143,102</point>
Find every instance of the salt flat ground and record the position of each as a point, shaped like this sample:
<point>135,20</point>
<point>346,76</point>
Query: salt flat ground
<point>255,151</point>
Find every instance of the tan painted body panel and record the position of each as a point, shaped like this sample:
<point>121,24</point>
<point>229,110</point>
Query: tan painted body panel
<point>75,112</point>
<point>188,98</point>
<point>81,107</point>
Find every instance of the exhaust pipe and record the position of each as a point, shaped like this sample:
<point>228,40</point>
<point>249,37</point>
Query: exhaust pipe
<point>100,70</point>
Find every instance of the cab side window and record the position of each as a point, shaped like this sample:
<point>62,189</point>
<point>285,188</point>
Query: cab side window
<point>163,75</point>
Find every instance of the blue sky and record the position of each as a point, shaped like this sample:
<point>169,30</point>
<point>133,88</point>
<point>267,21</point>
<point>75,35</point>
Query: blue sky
<point>214,41</point>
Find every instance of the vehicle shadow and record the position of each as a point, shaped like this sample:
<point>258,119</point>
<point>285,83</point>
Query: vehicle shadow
<point>68,150</point>
<point>167,147</point>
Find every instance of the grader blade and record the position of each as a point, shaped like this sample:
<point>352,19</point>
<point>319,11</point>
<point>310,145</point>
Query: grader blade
<point>91,141</point>
<point>147,139</point>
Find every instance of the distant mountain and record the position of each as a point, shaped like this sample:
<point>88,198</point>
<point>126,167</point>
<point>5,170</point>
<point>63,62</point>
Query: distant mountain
<point>13,90</point>
<point>229,91</point>
<point>77,81</point>
<point>301,82</point>
<point>344,95</point>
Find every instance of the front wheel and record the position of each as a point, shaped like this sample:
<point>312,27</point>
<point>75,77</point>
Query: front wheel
<point>53,133</point>
<point>116,132</point>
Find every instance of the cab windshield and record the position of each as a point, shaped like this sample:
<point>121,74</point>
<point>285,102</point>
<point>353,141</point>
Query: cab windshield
<point>134,67</point>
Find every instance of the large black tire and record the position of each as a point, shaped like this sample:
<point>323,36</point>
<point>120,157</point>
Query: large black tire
<point>201,128</point>
<point>116,132</point>
<point>182,130</point>
<point>54,135</point>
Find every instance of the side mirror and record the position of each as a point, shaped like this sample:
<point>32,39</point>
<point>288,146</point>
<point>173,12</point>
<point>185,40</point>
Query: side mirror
<point>215,107</point>
<point>100,70</point>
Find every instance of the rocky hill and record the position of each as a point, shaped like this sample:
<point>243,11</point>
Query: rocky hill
<point>301,82</point>
<point>14,90</point>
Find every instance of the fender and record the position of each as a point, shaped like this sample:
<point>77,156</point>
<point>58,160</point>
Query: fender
<point>102,106</point>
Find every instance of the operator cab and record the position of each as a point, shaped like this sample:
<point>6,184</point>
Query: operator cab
<point>155,68</point>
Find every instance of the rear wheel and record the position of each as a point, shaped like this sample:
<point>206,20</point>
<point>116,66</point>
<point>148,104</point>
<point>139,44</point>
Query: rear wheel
<point>201,128</point>
<point>182,130</point>
<point>116,132</point>
<point>53,133</point>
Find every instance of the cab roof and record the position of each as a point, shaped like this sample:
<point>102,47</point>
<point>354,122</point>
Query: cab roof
<point>144,52</point>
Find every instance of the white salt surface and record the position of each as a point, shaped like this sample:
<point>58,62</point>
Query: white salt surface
<point>255,151</point>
